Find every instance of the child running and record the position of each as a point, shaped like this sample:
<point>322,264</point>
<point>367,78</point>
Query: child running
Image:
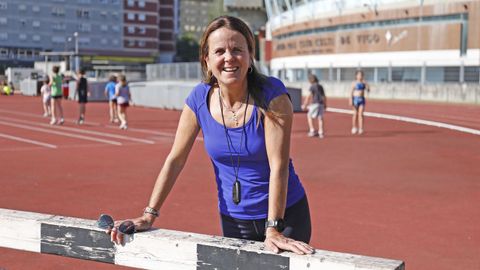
<point>46,97</point>
<point>316,103</point>
<point>56,86</point>
<point>122,92</point>
<point>82,92</point>
<point>112,99</point>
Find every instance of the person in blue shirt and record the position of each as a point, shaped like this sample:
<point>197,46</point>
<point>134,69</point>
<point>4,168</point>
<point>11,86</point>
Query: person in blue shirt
<point>112,99</point>
<point>357,101</point>
<point>246,121</point>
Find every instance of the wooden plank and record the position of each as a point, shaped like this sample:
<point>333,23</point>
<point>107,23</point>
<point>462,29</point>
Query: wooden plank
<point>164,249</point>
<point>21,230</point>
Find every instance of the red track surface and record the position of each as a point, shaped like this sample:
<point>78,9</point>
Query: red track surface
<point>401,190</point>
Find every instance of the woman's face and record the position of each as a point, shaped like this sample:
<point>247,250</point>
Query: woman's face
<point>228,57</point>
<point>359,76</point>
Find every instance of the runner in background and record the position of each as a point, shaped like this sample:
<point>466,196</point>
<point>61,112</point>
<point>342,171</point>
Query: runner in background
<point>56,86</point>
<point>65,87</point>
<point>122,92</point>
<point>46,97</point>
<point>357,101</point>
<point>112,99</point>
<point>316,103</point>
<point>83,93</point>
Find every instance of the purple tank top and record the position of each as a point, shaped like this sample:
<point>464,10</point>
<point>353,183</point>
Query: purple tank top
<point>254,171</point>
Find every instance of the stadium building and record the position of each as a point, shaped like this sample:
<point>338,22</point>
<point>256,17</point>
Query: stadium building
<point>418,41</point>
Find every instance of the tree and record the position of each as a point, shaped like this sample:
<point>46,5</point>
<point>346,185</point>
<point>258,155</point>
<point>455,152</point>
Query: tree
<point>187,49</point>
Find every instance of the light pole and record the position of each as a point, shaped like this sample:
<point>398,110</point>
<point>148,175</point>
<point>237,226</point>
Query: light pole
<point>77,59</point>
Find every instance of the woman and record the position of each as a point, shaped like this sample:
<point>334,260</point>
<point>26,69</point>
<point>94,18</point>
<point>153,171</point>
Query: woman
<point>316,102</point>
<point>122,95</point>
<point>56,87</point>
<point>357,101</point>
<point>246,122</point>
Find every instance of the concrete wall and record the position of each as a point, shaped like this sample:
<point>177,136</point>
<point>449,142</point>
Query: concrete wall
<point>444,92</point>
<point>172,94</point>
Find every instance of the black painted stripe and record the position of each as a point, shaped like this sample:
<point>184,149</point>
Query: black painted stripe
<point>209,258</point>
<point>76,243</point>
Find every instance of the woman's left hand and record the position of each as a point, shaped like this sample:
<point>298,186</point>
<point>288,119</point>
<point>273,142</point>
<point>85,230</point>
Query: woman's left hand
<point>277,242</point>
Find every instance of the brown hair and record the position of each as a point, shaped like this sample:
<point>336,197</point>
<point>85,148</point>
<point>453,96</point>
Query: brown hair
<point>123,79</point>
<point>255,79</point>
<point>312,78</point>
<point>56,69</point>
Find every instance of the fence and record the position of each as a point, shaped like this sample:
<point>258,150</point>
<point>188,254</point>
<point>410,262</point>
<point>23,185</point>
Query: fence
<point>163,249</point>
<point>338,85</point>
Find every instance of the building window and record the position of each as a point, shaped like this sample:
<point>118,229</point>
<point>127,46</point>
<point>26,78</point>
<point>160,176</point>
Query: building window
<point>84,41</point>
<point>22,7</point>
<point>115,2</point>
<point>141,3</point>
<point>131,29</point>
<point>142,30</point>
<point>116,28</point>
<point>83,13</point>
<point>103,14</point>
<point>131,43</point>
<point>406,74</point>
<point>141,43</point>
<point>3,5</point>
<point>471,74</point>
<point>104,41</point>
<point>36,23</point>
<point>35,8</point>
<point>115,42</point>
<point>84,27</point>
<point>59,26</point>
<point>23,22</point>
<point>3,36</point>
<point>84,1</point>
<point>131,16</point>
<point>3,20</point>
<point>130,3</point>
<point>58,11</point>
<point>115,14</point>
<point>104,27</point>
<point>36,38</point>
<point>22,36</point>
<point>141,17</point>
<point>58,39</point>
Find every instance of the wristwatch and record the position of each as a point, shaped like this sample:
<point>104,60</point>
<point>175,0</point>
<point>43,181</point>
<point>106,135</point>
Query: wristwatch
<point>278,224</point>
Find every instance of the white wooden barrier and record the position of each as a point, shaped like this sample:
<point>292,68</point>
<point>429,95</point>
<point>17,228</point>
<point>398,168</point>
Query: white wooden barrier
<point>163,249</point>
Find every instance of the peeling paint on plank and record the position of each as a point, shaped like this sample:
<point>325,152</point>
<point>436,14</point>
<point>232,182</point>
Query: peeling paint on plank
<point>210,258</point>
<point>77,243</point>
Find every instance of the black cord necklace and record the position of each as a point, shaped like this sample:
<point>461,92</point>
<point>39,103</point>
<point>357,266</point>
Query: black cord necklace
<point>236,191</point>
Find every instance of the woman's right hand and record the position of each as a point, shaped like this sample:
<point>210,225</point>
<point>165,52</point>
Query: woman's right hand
<point>142,223</point>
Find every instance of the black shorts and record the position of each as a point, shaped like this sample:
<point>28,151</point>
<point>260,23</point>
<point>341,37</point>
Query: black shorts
<point>113,100</point>
<point>57,97</point>
<point>297,224</point>
<point>82,99</point>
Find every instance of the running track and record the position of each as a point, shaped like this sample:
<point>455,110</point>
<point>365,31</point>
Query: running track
<point>401,190</point>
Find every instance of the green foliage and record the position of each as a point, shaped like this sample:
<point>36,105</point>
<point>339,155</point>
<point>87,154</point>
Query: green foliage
<point>187,49</point>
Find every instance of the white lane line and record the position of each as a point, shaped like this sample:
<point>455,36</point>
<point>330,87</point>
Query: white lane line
<point>411,120</point>
<point>160,133</point>
<point>109,135</point>
<point>60,133</point>
<point>15,138</point>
